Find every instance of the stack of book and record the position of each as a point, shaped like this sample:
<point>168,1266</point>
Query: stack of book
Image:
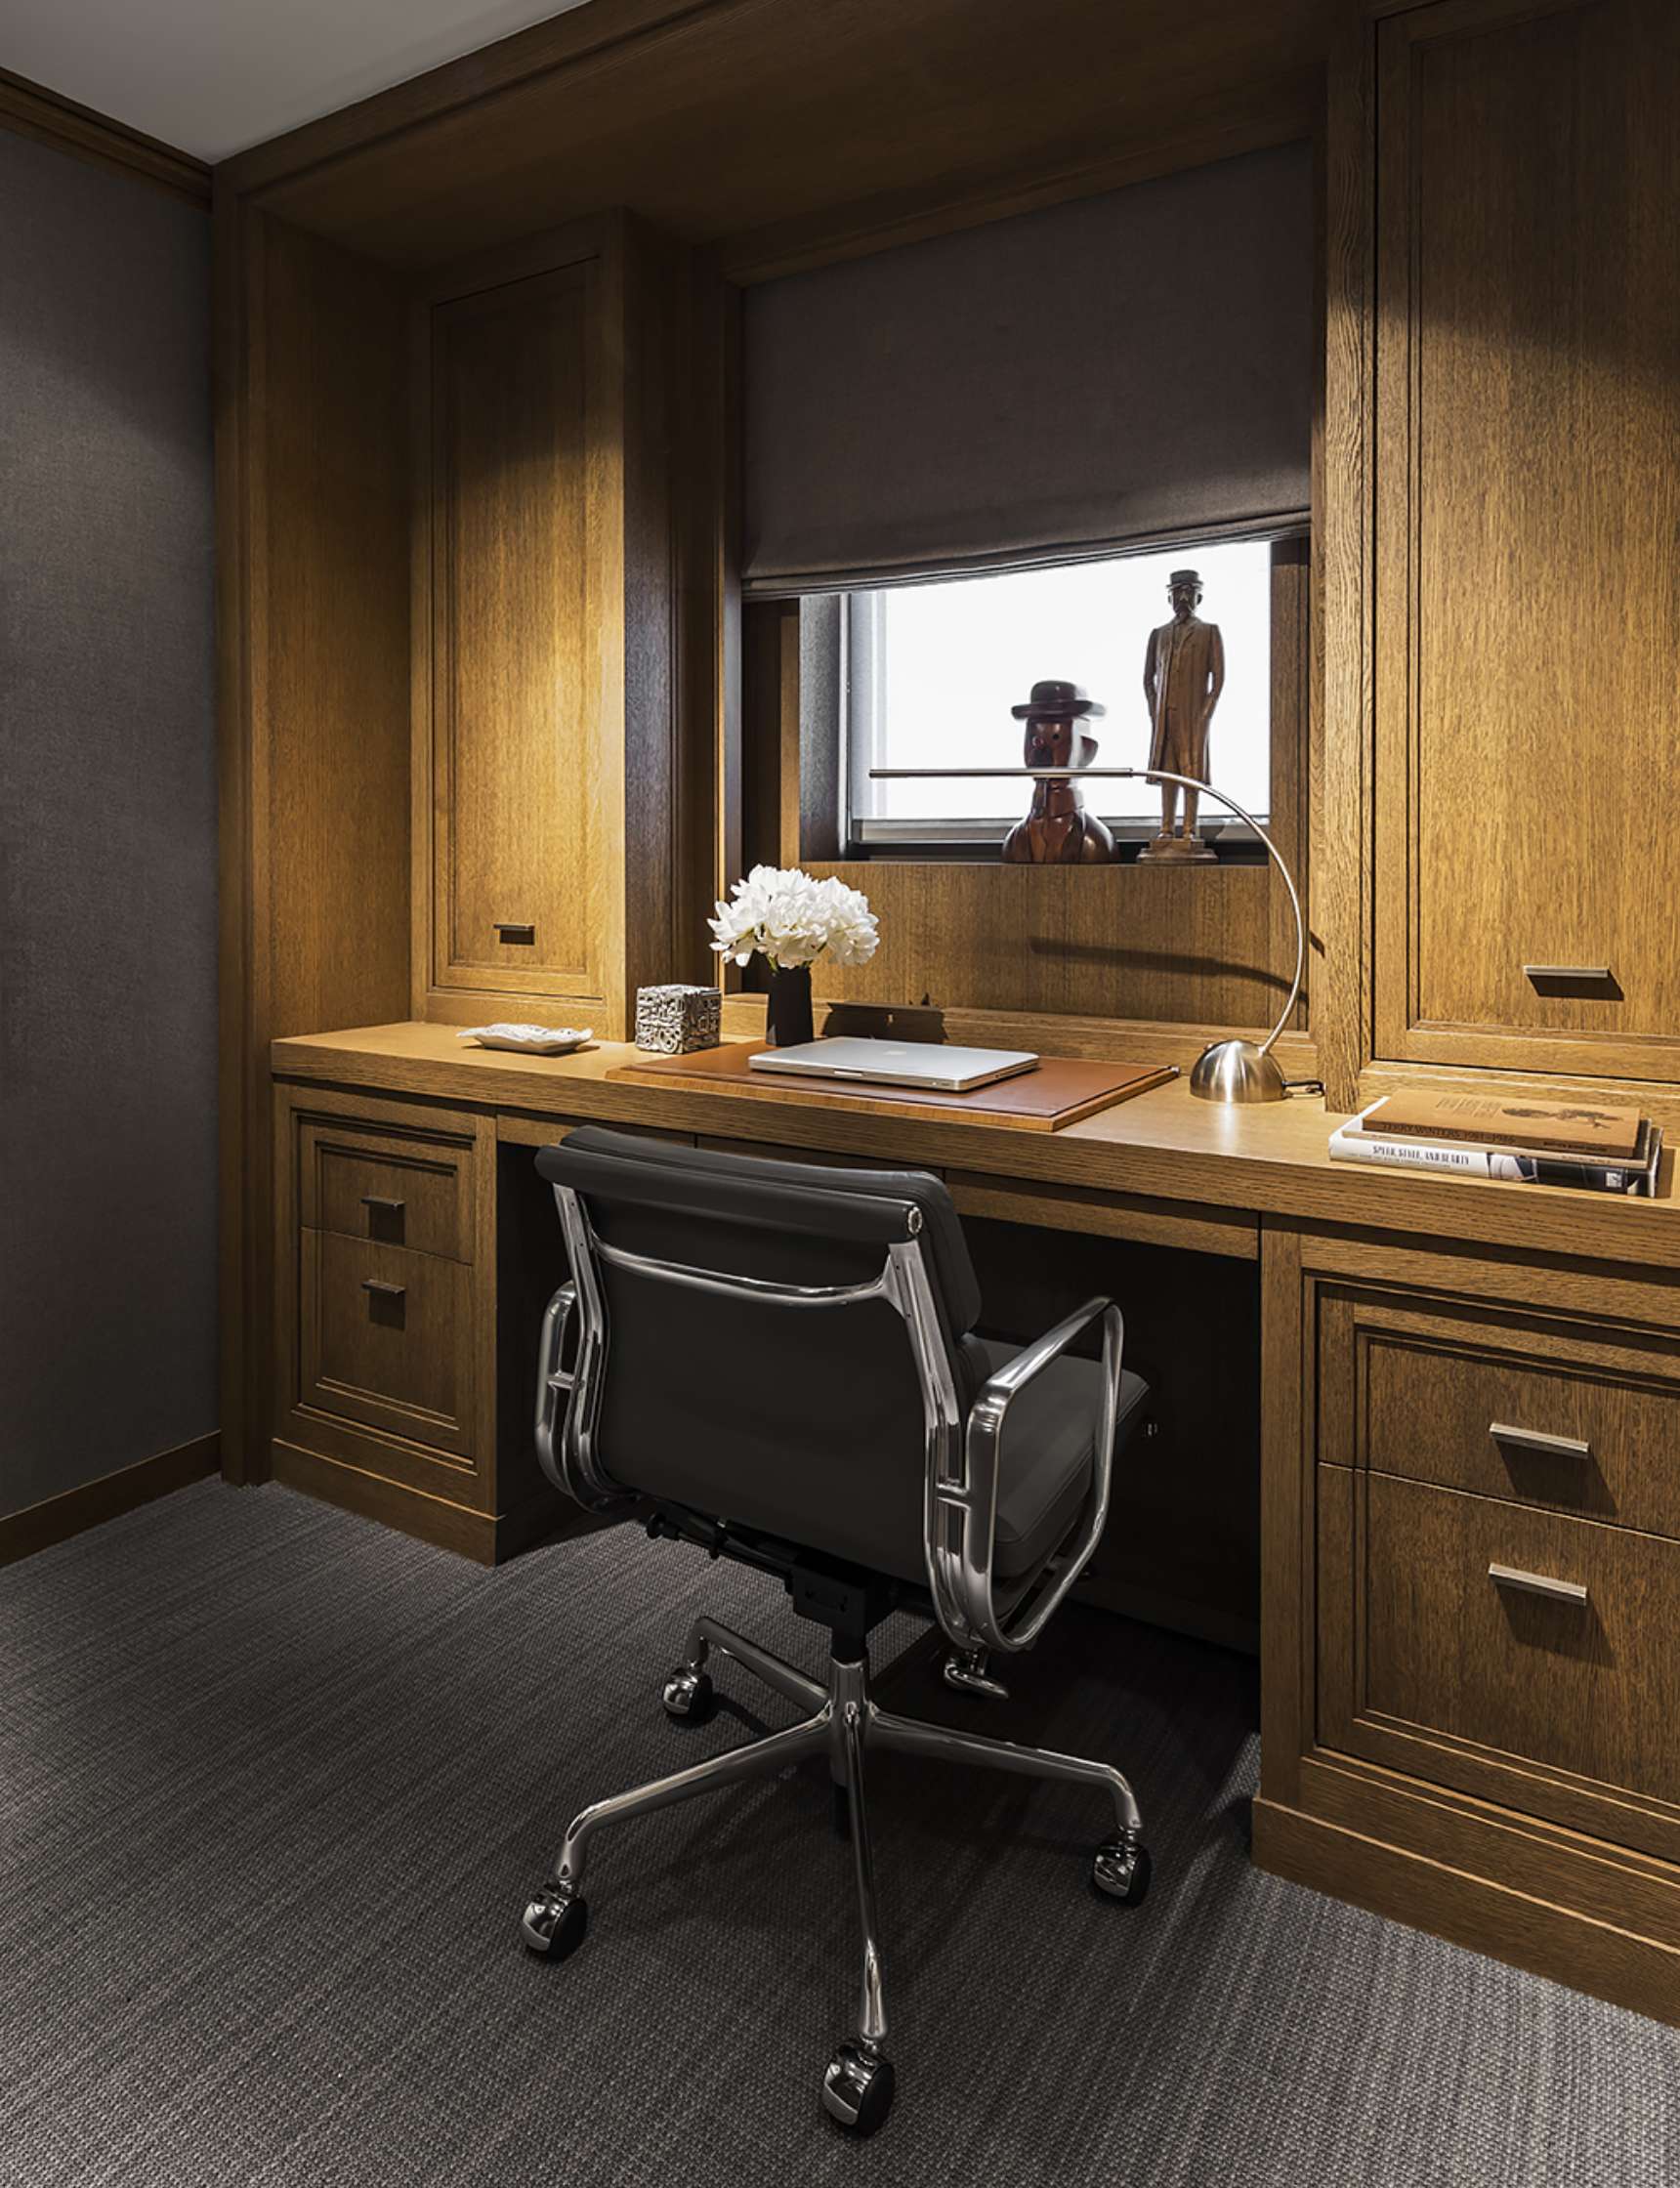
<point>1506,1136</point>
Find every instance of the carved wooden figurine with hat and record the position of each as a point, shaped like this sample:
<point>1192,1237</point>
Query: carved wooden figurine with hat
<point>1058,831</point>
<point>1184,673</point>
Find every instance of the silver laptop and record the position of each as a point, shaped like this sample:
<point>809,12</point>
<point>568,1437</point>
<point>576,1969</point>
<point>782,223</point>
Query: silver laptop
<point>897,1063</point>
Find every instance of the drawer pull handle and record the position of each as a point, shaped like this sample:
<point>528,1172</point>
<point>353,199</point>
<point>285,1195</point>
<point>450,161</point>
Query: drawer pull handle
<point>379,1200</point>
<point>1537,1583</point>
<point>1599,973</point>
<point>1538,1441</point>
<point>516,930</point>
<point>383,1291</point>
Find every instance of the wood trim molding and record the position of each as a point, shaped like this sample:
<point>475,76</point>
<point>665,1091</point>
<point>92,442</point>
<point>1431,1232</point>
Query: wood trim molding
<point>1258,118</point>
<point>1342,913</point>
<point>562,42</point>
<point>32,111</point>
<point>487,1538</point>
<point>1508,1925</point>
<point>236,241</point>
<point>74,1510</point>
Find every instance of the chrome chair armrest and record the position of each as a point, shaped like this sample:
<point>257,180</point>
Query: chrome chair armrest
<point>554,1385</point>
<point>1005,1382</point>
<point>970,1576</point>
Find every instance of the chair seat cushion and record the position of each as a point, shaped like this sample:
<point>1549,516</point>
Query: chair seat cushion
<point>1045,1466</point>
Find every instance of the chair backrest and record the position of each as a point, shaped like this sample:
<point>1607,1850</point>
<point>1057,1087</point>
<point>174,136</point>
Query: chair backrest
<point>804,1421</point>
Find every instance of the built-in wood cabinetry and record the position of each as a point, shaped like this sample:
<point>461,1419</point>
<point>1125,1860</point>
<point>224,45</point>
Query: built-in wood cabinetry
<point>1498,1537</point>
<point>1473,1533</point>
<point>386,1355</point>
<point>484,755</point>
<point>470,562</point>
<point>546,663</point>
<point>1527,413</point>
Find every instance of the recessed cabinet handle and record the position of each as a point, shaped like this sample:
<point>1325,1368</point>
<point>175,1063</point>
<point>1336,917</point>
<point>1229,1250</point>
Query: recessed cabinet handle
<point>1567,972</point>
<point>516,930</point>
<point>379,1200</point>
<point>383,1291</point>
<point>1538,1441</point>
<point>1537,1583</point>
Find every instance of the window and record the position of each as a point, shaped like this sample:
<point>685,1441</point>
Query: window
<point>932,671</point>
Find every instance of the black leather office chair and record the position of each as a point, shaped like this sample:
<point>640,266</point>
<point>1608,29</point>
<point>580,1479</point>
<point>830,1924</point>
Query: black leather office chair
<point>781,1359</point>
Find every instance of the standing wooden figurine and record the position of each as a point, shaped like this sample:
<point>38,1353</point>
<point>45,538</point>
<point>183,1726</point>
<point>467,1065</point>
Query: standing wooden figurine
<point>1184,673</point>
<point>1058,831</point>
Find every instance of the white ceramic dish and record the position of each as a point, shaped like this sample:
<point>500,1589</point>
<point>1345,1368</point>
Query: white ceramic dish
<point>533,1040</point>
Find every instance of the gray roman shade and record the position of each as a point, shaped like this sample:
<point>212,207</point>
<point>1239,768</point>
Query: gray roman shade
<point>1129,368</point>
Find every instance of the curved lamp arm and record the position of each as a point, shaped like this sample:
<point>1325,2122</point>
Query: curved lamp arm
<point>1226,1070</point>
<point>1141,775</point>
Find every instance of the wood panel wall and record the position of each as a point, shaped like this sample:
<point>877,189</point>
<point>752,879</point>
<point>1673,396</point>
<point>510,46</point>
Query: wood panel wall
<point>312,617</point>
<point>1494,783</point>
<point>1103,941</point>
<point>1528,503</point>
<point>507,674</point>
<point>793,131</point>
<point>567,578</point>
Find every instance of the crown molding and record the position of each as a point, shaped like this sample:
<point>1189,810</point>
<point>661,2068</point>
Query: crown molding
<point>578,38</point>
<point>32,111</point>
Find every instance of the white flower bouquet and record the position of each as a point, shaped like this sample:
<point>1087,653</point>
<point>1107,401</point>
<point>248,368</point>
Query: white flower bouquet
<point>793,918</point>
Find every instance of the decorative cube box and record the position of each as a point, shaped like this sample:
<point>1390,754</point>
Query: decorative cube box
<point>671,1021</point>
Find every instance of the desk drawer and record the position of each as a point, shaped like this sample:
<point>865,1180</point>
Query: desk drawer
<point>386,1340</point>
<point>1575,1417</point>
<point>1516,1654</point>
<point>391,1189</point>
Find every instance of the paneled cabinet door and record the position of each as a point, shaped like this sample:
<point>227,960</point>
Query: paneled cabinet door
<point>1527,514</point>
<point>510,634</point>
<point>1498,1547</point>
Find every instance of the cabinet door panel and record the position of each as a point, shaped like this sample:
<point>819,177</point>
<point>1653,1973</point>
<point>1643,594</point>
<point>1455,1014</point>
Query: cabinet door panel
<point>395,1192</point>
<point>1527,508</point>
<point>1515,1655</point>
<point>1579,1417</point>
<point>513,698</point>
<point>387,1339</point>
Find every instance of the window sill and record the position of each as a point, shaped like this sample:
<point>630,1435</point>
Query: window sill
<point>968,842</point>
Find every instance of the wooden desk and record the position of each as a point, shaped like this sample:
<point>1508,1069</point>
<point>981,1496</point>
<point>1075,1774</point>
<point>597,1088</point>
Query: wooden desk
<point>1495,1766</point>
<point>1164,1144</point>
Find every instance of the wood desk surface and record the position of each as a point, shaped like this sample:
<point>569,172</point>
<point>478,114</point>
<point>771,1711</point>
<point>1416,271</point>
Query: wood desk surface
<point>1167,1145</point>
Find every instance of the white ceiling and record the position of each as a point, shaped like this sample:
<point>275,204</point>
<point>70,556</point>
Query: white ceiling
<point>212,76</point>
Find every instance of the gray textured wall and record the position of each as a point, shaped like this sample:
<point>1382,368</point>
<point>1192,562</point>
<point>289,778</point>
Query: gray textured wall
<point>107,825</point>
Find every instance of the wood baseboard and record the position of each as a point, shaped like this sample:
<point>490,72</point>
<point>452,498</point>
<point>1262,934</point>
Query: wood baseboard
<point>487,1538</point>
<point>1526,1932</point>
<point>73,1510</point>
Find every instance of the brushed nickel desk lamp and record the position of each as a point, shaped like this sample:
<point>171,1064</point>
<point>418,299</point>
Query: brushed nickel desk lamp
<point>1229,1070</point>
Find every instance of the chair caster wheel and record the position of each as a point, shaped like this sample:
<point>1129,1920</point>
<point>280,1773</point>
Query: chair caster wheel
<point>1121,1872</point>
<point>554,1923</point>
<point>689,1695</point>
<point>857,2087</point>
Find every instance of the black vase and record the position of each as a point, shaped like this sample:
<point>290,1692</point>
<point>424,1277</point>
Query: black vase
<point>787,1021</point>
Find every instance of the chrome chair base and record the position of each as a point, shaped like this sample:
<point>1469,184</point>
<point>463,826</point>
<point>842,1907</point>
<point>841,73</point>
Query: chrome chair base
<point>843,1723</point>
<point>968,1672</point>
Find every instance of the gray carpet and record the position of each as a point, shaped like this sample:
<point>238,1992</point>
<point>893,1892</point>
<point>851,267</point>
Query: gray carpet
<point>273,1781</point>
